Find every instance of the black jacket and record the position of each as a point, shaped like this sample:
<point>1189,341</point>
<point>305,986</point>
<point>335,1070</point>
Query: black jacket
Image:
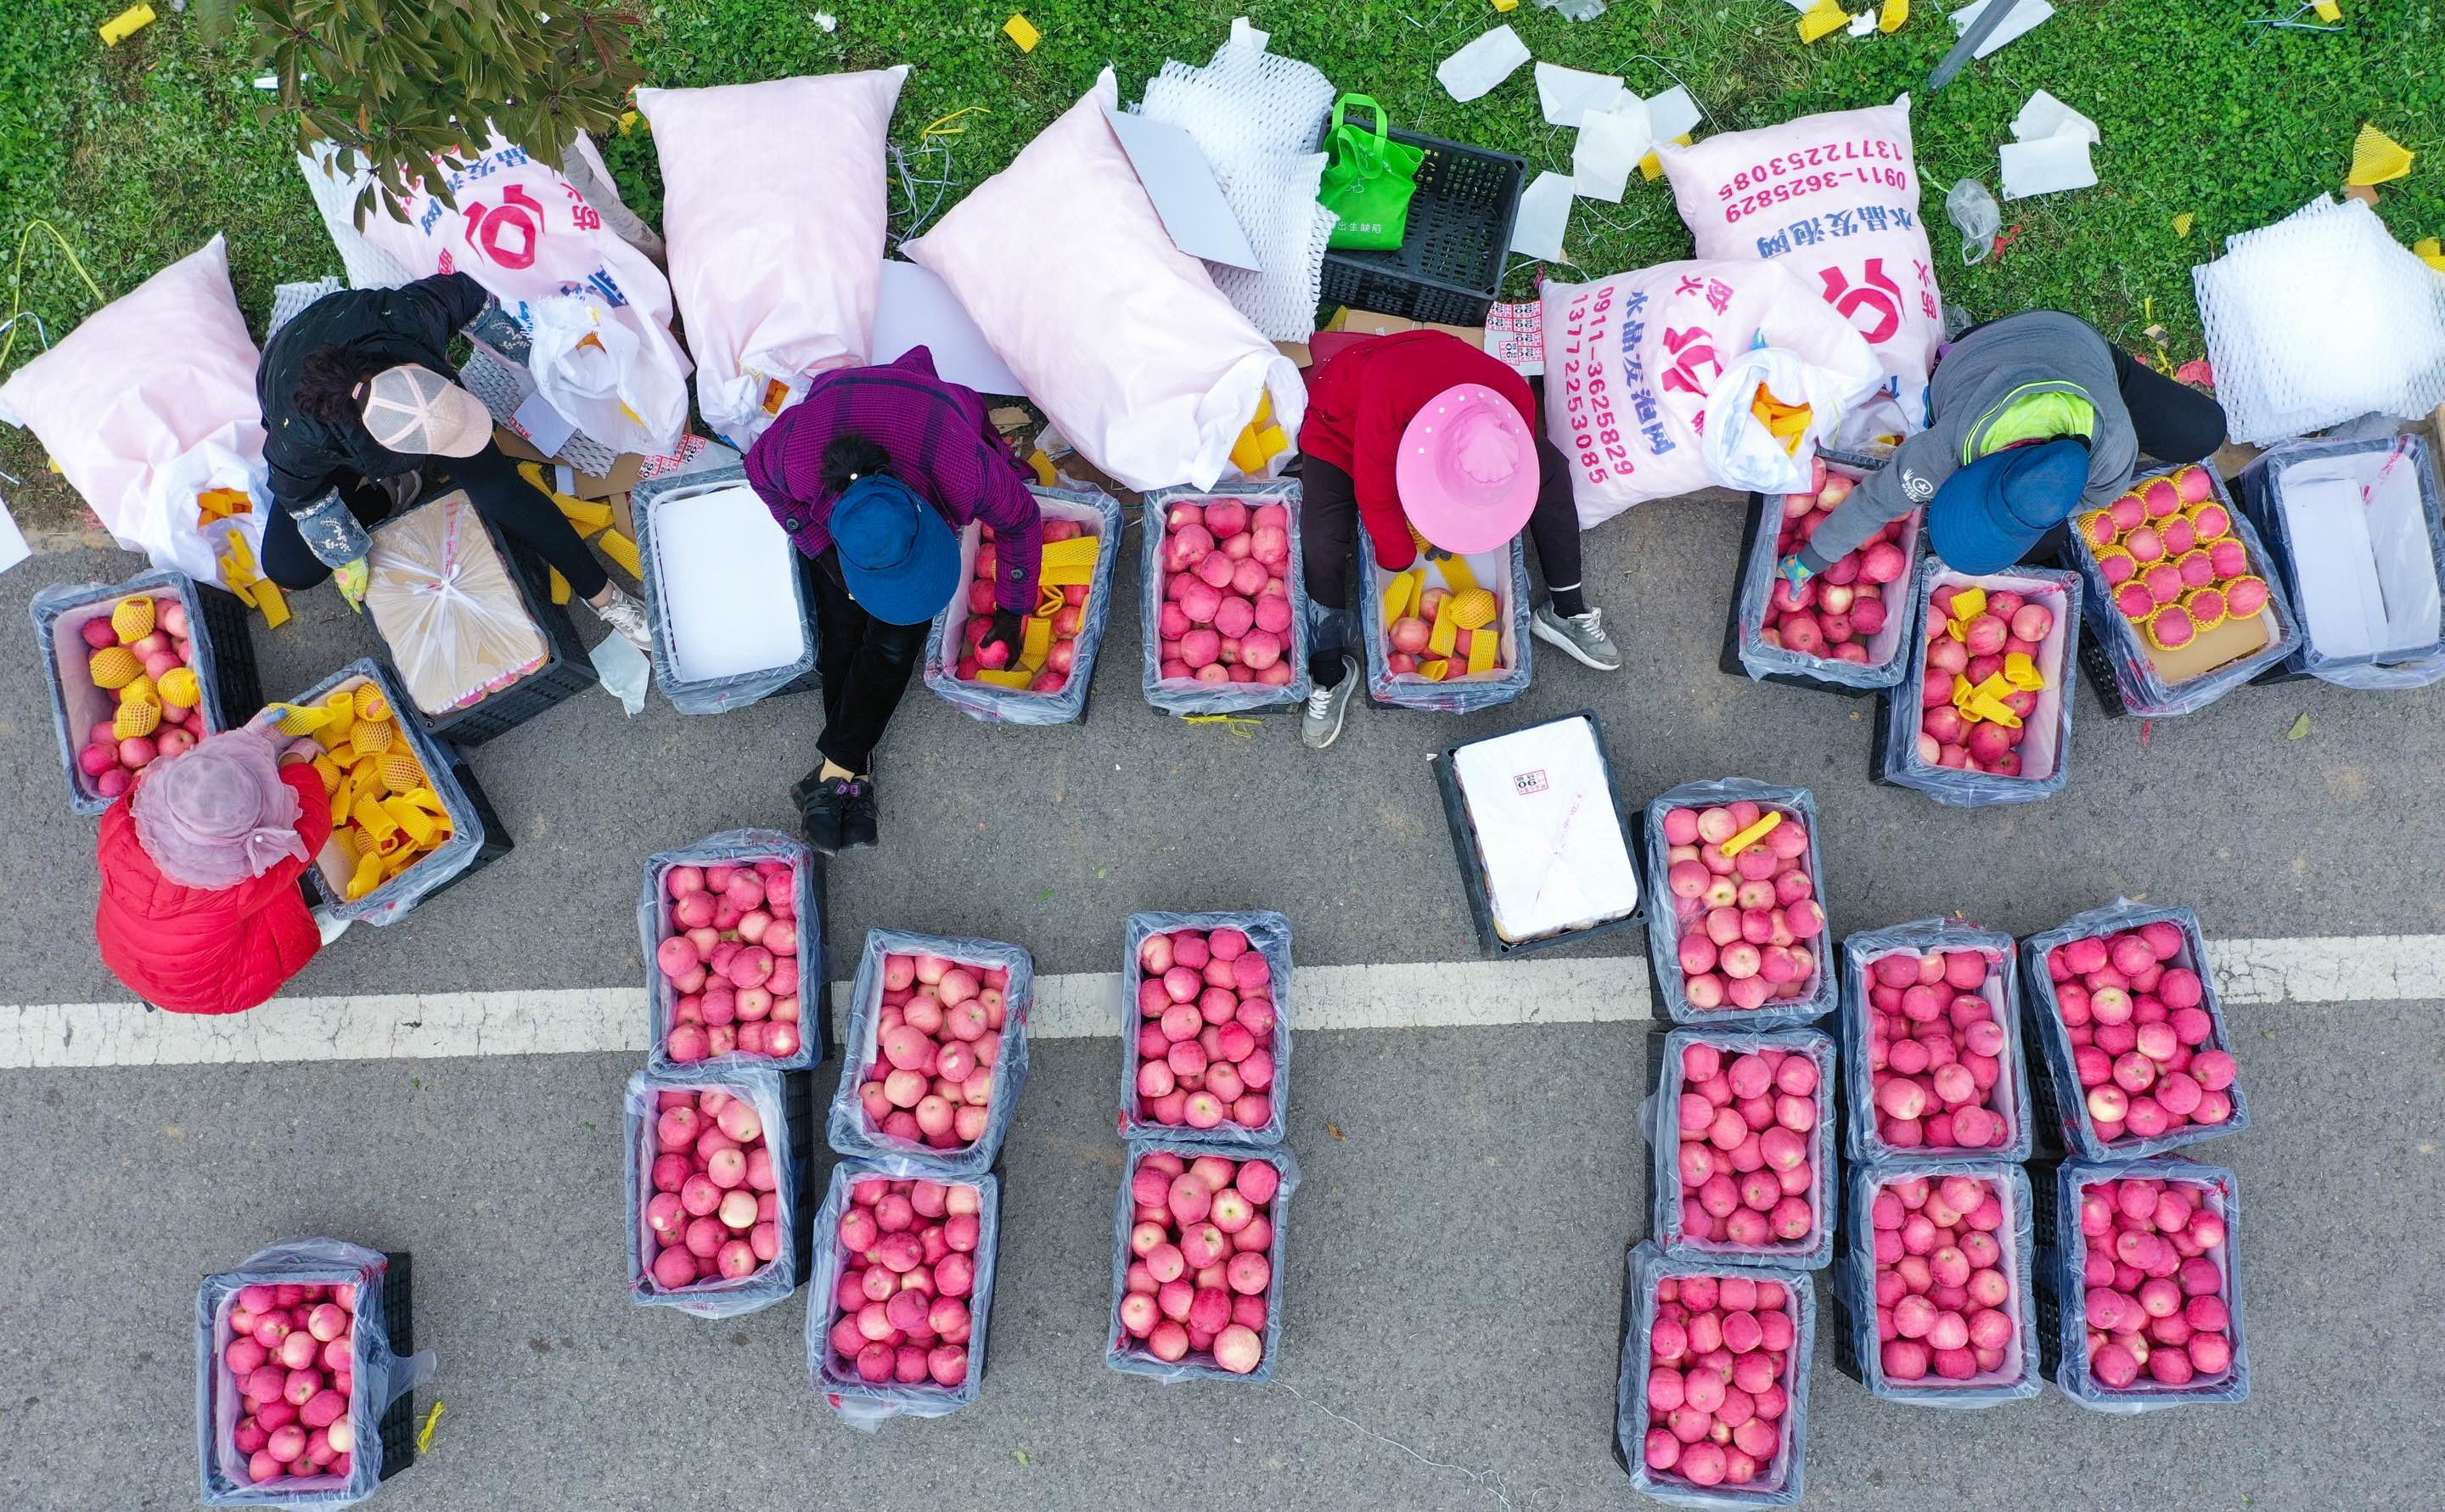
<point>307,456</point>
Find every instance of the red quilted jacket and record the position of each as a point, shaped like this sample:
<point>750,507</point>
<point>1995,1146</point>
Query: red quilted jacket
<point>194,951</point>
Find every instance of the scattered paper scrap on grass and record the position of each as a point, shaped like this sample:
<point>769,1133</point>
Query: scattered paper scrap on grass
<point>1484,62</point>
<point>1021,30</point>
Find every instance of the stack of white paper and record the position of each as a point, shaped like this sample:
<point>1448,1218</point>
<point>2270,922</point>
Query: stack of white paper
<point>1475,69</point>
<point>1547,831</point>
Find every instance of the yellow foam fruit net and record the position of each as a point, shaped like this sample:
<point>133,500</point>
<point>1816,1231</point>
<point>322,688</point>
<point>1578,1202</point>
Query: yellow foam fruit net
<point>133,618</point>
<point>135,717</point>
<point>2377,158</point>
<point>178,686</point>
<point>1474,610</point>
<point>113,666</point>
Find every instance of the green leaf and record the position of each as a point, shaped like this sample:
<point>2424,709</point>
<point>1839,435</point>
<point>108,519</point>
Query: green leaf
<point>2300,728</point>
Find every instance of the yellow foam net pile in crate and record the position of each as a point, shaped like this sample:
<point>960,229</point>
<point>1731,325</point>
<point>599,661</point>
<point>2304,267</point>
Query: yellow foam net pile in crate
<point>385,817</point>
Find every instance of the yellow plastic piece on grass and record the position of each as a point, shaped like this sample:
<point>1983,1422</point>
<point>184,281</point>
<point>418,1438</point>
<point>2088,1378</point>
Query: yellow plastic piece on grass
<point>2426,249</point>
<point>1021,30</point>
<point>1403,592</point>
<point>125,25</point>
<point>2328,11</point>
<point>1506,7</point>
<point>1070,563</point>
<point>2022,673</point>
<point>1012,678</point>
<point>2377,158</point>
<point>1823,20</point>
<point>1896,13</point>
<point>1767,824</point>
<point>1474,609</point>
<point>1045,477</point>
<point>559,589</point>
<point>2183,222</point>
<point>1482,649</point>
<point>1446,634</point>
<point>623,550</point>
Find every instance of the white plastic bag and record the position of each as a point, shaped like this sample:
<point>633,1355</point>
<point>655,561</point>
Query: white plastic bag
<point>441,596</point>
<point>1835,198</point>
<point>607,361</point>
<point>1649,376</point>
<point>150,403</point>
<point>773,200</point>
<point>1119,335</point>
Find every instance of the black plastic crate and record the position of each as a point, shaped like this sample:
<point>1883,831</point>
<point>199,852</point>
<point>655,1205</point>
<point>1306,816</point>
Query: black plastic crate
<point>497,836</point>
<point>1472,876</point>
<point>398,1425</point>
<point>567,671</point>
<point>234,669</point>
<point>2098,663</point>
<point>1449,265</point>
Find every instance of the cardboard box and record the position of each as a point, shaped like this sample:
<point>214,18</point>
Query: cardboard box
<point>624,475</point>
<point>1368,322</point>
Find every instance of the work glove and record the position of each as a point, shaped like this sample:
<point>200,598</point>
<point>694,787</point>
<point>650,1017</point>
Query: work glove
<point>1006,630</point>
<point>352,580</point>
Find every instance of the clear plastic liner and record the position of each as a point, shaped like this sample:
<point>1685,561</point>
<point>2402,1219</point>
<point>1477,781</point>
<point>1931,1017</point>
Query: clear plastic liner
<point>1855,1289</point>
<point>851,1132</point>
<point>1100,513</point>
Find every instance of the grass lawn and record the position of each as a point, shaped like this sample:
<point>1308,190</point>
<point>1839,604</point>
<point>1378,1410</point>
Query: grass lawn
<point>140,152</point>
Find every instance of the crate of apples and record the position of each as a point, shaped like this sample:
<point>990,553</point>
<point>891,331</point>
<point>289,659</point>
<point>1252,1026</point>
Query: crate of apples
<point>1222,602</point>
<point>903,1287</point>
<point>2137,1057</point>
<point>2147,1302</point>
<point>1931,1036</point>
<point>1747,935</point>
<point>1203,1044</point>
<point>1046,682</point>
<point>1856,611</point>
<point>1197,1269</point>
<point>129,687</point>
<point>728,924</point>
<point>1743,1135</point>
<point>713,1192</point>
<point>2167,551</point>
<point>1938,1305</point>
<point>1715,1381</point>
<point>298,1375</point>
<point>1984,717</point>
<point>937,1051</point>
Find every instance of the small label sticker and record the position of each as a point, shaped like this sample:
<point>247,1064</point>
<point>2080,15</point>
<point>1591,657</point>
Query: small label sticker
<point>1525,783</point>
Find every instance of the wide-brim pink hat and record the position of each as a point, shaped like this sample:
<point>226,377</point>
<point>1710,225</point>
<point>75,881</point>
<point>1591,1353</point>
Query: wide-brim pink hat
<point>1468,470</point>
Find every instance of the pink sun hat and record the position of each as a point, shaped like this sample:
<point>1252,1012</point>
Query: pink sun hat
<point>1468,470</point>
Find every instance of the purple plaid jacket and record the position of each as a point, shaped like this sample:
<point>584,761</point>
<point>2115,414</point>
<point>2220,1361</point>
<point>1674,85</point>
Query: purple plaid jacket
<point>940,444</point>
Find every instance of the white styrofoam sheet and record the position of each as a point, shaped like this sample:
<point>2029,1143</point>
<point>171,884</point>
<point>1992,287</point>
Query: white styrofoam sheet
<point>725,575</point>
<point>2366,572</point>
<point>1547,830</point>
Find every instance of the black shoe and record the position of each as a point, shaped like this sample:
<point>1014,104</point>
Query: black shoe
<point>857,813</point>
<point>823,814</point>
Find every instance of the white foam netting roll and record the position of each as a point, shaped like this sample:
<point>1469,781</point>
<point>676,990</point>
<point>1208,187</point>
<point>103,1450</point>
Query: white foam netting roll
<point>1253,116</point>
<point>2320,318</point>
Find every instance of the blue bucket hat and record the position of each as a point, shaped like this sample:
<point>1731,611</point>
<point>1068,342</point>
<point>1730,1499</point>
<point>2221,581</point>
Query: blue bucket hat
<point>900,560</point>
<point>1987,516</point>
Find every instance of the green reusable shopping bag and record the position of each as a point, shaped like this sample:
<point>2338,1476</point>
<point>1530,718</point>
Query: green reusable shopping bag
<point>1368,182</point>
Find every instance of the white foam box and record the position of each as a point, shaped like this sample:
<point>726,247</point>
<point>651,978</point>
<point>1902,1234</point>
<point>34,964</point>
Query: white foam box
<point>1544,857</point>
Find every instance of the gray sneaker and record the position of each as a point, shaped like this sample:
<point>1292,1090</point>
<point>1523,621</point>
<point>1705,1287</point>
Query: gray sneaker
<point>1581,636</point>
<point>627,618</point>
<point>1320,725</point>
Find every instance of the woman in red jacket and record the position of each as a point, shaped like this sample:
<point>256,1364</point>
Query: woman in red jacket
<point>1423,433</point>
<point>200,909</point>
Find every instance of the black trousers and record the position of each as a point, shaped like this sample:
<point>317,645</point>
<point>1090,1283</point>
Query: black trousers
<point>1329,530</point>
<point>2175,423</point>
<point>515,506</point>
<point>864,664</point>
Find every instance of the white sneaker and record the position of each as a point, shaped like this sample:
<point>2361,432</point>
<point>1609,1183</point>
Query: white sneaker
<point>329,928</point>
<point>627,617</point>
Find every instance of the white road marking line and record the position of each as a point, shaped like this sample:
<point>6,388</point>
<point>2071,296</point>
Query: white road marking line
<point>1083,1005</point>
